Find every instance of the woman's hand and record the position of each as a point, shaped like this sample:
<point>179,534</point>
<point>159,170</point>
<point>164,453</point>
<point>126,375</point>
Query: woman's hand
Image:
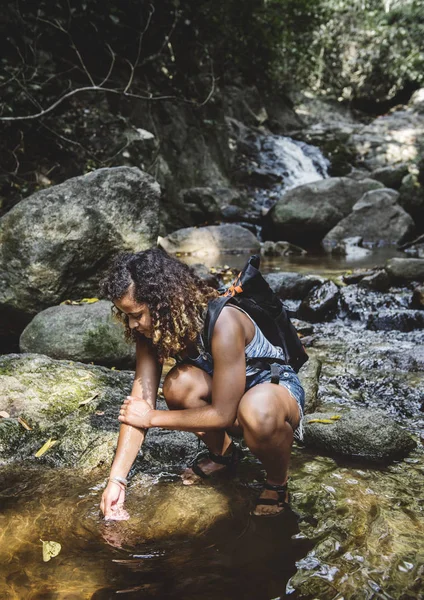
<point>136,412</point>
<point>112,503</point>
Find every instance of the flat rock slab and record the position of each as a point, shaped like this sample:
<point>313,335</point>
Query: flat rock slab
<point>361,434</point>
<point>77,405</point>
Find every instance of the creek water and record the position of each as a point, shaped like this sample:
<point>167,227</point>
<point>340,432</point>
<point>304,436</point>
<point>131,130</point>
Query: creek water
<point>356,530</point>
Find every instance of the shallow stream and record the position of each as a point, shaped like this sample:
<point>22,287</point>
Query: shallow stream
<point>356,531</point>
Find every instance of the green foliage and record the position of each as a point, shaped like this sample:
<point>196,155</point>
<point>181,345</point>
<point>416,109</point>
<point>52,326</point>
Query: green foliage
<point>369,48</point>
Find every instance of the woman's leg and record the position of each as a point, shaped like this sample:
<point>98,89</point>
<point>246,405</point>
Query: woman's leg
<point>268,415</point>
<point>187,386</point>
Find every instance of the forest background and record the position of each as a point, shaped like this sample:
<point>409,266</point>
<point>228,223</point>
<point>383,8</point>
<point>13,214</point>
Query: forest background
<point>75,74</point>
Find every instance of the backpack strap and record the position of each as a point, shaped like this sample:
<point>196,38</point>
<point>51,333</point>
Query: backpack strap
<point>214,310</point>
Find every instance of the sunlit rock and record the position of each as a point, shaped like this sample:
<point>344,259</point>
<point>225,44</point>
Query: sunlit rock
<point>85,333</point>
<point>305,214</point>
<point>210,241</point>
<point>376,218</point>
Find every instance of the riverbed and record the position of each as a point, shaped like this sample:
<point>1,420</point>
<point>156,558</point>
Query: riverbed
<point>355,531</point>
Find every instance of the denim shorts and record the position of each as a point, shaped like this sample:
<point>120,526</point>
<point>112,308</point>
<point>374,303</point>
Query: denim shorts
<point>287,377</point>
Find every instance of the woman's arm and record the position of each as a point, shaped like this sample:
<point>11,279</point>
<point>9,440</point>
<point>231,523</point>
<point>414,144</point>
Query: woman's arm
<point>228,384</point>
<point>130,439</point>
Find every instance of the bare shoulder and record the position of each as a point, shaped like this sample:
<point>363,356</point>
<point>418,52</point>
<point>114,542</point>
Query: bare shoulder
<point>233,322</point>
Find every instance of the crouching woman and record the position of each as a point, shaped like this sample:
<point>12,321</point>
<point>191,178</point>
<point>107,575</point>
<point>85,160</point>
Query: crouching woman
<point>163,306</point>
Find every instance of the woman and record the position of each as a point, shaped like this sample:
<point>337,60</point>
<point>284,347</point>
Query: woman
<point>163,305</point>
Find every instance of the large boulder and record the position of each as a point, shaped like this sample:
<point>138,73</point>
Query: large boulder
<point>402,270</point>
<point>361,433</point>
<point>86,333</point>
<point>56,244</point>
<point>78,406</point>
<point>212,240</point>
<point>376,218</point>
<point>305,214</point>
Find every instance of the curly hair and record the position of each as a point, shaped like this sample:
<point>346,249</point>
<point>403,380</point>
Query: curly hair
<point>177,299</point>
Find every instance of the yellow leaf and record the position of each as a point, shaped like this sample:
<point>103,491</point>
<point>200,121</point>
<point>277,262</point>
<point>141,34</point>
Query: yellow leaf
<point>89,300</point>
<point>4,414</point>
<point>83,402</point>
<point>49,444</point>
<point>50,550</point>
<point>113,368</point>
<point>325,421</point>
<point>24,424</point>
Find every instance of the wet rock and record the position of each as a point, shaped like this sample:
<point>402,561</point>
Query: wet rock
<point>321,303</point>
<point>309,377</point>
<point>378,281</point>
<point>48,394</point>
<point>303,327</point>
<point>350,247</point>
<point>280,249</point>
<point>403,270</point>
<point>211,240</point>
<point>356,302</point>
<point>361,434</point>
<point>405,320</point>
<point>356,276</point>
<point>376,218</point>
<point>85,333</point>
<point>204,273</point>
<point>56,244</point>
<point>291,285</point>
<point>391,176</point>
<point>305,214</point>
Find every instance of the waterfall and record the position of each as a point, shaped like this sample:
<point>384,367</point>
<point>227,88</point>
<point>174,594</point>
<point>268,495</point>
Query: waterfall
<point>285,163</point>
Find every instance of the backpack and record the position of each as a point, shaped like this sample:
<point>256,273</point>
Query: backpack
<point>251,292</point>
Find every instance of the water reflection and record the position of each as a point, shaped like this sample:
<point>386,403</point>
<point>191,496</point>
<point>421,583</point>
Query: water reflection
<point>158,553</point>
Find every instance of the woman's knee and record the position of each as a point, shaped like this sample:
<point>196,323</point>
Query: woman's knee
<point>182,386</point>
<point>258,413</point>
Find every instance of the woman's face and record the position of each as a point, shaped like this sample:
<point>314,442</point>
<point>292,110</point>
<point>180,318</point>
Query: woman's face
<point>138,315</point>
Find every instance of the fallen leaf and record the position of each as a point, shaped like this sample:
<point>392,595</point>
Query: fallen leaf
<point>49,444</point>
<point>83,402</point>
<point>24,424</point>
<point>88,300</point>
<point>4,414</point>
<point>99,413</point>
<point>325,421</point>
<point>50,550</point>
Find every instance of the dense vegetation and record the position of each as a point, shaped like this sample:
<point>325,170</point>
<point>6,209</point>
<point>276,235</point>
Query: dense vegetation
<point>58,57</point>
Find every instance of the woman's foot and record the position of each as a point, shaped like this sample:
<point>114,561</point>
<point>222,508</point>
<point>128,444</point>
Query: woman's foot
<point>205,466</point>
<point>272,501</point>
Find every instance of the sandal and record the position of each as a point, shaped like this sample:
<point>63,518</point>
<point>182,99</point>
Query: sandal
<point>230,461</point>
<point>281,501</point>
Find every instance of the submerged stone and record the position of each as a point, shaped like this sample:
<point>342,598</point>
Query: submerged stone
<point>368,435</point>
